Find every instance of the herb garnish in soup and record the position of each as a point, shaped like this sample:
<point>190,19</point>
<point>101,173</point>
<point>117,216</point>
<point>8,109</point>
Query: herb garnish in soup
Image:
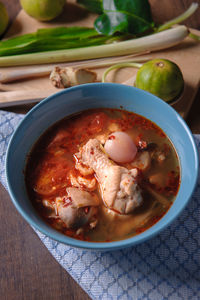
<point>103,175</point>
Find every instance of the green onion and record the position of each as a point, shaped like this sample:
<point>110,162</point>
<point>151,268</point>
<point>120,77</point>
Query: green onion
<point>193,7</point>
<point>118,66</point>
<point>156,41</point>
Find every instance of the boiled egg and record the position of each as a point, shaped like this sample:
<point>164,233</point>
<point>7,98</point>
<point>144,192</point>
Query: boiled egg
<point>120,147</point>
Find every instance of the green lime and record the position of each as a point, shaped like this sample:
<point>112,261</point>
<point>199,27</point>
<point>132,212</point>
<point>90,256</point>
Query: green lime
<point>43,10</point>
<point>162,78</point>
<point>3,18</point>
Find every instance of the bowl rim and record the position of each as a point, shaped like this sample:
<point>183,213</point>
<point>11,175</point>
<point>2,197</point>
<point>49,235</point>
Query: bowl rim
<point>106,246</point>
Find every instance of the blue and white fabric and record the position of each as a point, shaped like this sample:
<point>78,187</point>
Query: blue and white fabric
<point>165,267</point>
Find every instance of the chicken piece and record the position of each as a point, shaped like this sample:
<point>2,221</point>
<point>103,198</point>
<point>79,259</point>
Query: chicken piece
<point>49,208</point>
<point>78,208</point>
<point>102,138</point>
<point>82,182</point>
<point>65,77</point>
<point>142,161</point>
<point>83,169</point>
<point>118,185</point>
<point>82,198</point>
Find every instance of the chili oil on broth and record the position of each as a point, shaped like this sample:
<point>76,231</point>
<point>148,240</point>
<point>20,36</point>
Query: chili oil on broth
<point>52,160</point>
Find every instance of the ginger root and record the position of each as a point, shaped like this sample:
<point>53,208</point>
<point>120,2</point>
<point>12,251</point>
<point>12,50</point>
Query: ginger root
<point>66,77</point>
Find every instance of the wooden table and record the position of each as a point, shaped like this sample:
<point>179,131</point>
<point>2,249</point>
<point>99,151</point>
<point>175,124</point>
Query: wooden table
<point>27,269</point>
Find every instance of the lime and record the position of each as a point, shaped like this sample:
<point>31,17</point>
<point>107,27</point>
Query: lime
<point>162,78</point>
<point>3,18</point>
<point>43,10</point>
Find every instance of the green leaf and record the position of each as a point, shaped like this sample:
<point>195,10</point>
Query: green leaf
<point>95,6</point>
<point>21,40</point>
<point>66,32</point>
<point>70,32</point>
<point>48,39</point>
<point>130,16</point>
<point>49,44</point>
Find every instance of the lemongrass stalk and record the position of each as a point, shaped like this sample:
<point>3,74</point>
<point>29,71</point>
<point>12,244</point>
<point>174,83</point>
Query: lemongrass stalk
<point>111,61</point>
<point>153,42</point>
<point>33,71</point>
<point>118,66</point>
<point>193,7</point>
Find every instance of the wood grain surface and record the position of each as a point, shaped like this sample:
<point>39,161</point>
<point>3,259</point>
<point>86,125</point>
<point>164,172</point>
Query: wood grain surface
<point>27,269</point>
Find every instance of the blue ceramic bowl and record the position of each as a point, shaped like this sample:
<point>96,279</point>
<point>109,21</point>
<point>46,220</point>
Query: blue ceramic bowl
<point>97,95</point>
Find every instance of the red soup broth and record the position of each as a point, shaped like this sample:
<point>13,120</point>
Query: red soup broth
<point>52,160</point>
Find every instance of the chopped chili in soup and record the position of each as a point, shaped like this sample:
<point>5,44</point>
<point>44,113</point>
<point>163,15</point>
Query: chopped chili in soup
<point>95,195</point>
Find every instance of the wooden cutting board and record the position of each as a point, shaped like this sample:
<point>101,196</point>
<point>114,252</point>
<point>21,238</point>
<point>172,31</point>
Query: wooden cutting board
<point>186,55</point>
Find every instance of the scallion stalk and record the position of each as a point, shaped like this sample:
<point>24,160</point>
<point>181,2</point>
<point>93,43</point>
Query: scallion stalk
<point>193,7</point>
<point>118,66</point>
<point>153,42</point>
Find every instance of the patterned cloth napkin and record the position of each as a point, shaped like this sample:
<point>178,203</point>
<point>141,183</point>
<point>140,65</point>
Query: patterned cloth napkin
<point>165,267</point>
